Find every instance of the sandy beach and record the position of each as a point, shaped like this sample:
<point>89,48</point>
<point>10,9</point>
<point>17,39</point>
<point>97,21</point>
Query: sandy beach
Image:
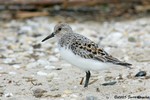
<point>32,70</point>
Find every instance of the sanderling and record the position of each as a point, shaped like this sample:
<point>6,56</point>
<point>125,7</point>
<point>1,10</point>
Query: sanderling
<point>82,52</point>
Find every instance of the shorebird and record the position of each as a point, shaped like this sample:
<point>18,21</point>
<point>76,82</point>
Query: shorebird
<point>82,52</point>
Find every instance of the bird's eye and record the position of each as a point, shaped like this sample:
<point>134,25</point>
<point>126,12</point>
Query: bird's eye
<point>59,29</point>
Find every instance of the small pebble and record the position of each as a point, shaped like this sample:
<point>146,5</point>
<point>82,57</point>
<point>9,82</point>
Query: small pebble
<point>58,68</point>
<point>50,76</point>
<point>41,73</point>
<point>1,92</point>
<point>8,60</point>
<point>75,87</point>
<point>56,50</point>
<point>131,39</point>
<point>108,78</point>
<point>140,74</point>
<point>147,77</point>
<point>53,59</point>
<point>43,62</point>
<point>91,98</point>
<point>16,66</point>
<point>24,30</point>
<point>32,65</point>
<point>53,74</point>
<point>120,77</point>
<point>38,92</point>
<point>54,88</point>
<point>36,35</point>
<point>110,83</point>
<point>36,46</point>
<point>12,73</point>
<point>73,96</point>
<point>97,90</point>
<point>8,95</point>
<point>49,67</point>
<point>146,43</point>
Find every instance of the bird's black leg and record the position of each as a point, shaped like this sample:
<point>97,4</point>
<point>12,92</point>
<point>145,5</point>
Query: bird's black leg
<point>88,74</point>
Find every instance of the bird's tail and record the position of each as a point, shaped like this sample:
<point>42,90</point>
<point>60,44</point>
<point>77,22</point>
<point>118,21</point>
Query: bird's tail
<point>118,62</point>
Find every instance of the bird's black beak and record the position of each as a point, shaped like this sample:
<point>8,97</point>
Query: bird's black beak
<point>48,37</point>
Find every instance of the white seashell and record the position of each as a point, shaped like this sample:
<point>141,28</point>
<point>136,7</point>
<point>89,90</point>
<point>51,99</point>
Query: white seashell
<point>16,66</point>
<point>41,73</point>
<point>49,67</point>
<point>8,95</point>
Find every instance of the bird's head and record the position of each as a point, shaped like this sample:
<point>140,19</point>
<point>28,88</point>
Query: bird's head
<point>59,31</point>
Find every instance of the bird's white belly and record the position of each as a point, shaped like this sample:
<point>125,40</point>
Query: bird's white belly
<point>85,64</point>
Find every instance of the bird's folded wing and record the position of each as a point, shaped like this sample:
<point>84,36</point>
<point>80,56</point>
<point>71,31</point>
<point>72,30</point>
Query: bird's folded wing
<point>106,58</point>
<point>111,59</point>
